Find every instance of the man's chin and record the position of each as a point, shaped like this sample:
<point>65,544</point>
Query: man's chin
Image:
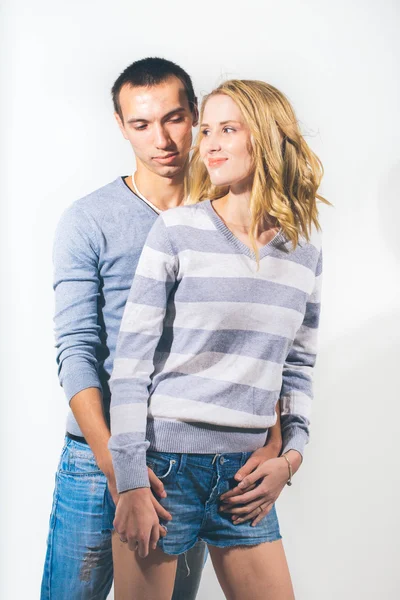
<point>169,170</point>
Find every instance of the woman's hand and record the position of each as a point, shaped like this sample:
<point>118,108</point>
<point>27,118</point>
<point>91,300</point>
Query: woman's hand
<point>136,521</point>
<point>251,501</point>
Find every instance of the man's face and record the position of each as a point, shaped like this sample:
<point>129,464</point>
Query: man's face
<point>158,123</point>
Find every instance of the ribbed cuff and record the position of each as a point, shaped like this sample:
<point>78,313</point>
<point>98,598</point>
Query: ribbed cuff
<point>75,382</point>
<point>295,439</point>
<point>130,468</point>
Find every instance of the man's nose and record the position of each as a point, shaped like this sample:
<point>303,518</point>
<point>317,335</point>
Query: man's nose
<point>162,139</point>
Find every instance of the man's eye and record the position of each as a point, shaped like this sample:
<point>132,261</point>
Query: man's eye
<point>178,120</point>
<point>140,127</point>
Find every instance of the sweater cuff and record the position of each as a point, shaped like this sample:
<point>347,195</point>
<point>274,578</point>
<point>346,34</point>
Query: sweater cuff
<point>295,439</point>
<point>130,469</point>
<point>75,382</point>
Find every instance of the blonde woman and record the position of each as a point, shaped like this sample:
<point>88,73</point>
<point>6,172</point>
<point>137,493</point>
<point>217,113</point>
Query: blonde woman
<point>219,327</point>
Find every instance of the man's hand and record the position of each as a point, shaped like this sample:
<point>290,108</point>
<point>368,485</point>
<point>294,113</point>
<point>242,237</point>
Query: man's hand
<point>255,460</point>
<point>238,500</point>
<point>136,521</point>
<point>158,489</point>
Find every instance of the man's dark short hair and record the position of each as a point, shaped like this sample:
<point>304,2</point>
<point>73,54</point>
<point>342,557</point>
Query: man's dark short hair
<point>148,72</point>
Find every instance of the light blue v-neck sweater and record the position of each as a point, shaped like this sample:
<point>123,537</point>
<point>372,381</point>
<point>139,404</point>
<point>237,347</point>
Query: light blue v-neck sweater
<point>96,249</point>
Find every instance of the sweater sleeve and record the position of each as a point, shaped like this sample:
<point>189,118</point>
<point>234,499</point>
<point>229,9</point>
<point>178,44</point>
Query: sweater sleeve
<point>141,329</point>
<point>76,285</point>
<point>297,380</point>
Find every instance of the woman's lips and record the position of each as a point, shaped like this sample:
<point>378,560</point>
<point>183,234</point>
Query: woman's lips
<point>216,162</point>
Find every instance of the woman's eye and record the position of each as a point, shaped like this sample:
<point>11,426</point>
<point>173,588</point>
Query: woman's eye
<point>228,129</point>
<point>204,131</point>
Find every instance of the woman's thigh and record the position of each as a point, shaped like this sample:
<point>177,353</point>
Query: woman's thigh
<point>150,578</point>
<point>258,572</point>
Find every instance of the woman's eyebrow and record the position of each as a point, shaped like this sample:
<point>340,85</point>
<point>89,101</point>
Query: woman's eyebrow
<point>222,123</point>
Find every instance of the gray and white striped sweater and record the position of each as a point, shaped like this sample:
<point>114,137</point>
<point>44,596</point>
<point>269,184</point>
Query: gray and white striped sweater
<point>209,343</point>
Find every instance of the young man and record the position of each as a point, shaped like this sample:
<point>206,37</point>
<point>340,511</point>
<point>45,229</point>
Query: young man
<point>97,247</point>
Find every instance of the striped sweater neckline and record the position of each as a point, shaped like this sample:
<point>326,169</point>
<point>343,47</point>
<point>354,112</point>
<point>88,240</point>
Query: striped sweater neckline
<point>278,239</point>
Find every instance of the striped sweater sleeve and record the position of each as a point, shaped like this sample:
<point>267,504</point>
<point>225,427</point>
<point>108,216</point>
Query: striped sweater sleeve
<point>297,378</point>
<point>140,332</point>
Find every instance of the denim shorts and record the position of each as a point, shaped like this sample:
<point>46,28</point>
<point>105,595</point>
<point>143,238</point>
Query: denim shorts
<point>194,483</point>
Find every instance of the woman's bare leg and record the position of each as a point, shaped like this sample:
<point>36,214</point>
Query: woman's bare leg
<point>150,578</point>
<point>257,572</point>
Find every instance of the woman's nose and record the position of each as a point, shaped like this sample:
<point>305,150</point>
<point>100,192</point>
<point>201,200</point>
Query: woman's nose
<point>213,143</point>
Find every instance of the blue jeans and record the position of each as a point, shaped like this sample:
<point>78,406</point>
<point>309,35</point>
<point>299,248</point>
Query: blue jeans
<point>78,563</point>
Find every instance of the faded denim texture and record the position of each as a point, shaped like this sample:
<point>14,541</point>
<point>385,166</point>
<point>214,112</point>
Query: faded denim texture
<point>194,483</point>
<point>79,555</point>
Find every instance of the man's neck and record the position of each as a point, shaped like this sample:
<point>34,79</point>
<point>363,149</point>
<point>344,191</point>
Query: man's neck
<point>162,192</point>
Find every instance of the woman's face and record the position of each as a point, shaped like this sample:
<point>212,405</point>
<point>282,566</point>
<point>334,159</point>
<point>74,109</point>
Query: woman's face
<point>225,146</point>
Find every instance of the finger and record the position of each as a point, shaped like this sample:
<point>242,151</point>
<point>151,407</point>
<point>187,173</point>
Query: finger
<point>243,510</point>
<point>162,531</point>
<point>143,545</point>
<point>261,515</point>
<point>156,484</point>
<point>253,477</point>
<point>154,536</point>
<point>257,492</point>
<point>160,510</point>
<point>235,491</point>
<point>132,543</point>
<point>247,468</point>
<point>253,515</point>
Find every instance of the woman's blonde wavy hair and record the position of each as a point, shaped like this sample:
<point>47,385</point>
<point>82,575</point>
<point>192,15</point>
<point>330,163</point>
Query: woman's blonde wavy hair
<point>287,173</point>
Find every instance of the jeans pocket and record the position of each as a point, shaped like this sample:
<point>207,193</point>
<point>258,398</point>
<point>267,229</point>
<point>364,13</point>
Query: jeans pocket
<point>163,465</point>
<point>78,459</point>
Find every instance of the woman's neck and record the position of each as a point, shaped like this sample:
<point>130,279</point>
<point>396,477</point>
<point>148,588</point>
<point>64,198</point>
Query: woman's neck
<point>234,208</point>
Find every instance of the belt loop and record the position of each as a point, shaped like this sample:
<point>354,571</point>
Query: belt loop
<point>215,458</point>
<point>182,462</point>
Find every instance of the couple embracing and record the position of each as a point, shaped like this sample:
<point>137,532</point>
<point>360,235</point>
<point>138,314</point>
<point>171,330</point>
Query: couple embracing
<point>187,308</point>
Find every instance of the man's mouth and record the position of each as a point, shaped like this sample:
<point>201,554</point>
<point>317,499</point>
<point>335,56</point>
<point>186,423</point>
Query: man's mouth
<point>216,162</point>
<point>167,158</point>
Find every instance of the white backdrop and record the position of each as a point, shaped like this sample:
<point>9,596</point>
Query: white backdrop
<point>336,62</point>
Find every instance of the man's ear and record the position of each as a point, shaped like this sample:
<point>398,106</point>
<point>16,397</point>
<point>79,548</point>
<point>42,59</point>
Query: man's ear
<point>120,125</point>
<point>195,114</point>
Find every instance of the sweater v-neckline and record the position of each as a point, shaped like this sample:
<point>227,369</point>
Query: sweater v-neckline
<point>278,239</point>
